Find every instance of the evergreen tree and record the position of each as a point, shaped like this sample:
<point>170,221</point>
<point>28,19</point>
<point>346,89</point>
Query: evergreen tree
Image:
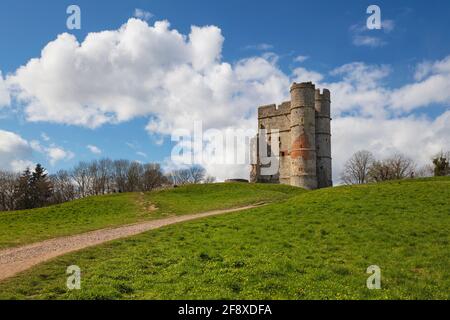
<point>34,189</point>
<point>22,192</point>
<point>41,187</point>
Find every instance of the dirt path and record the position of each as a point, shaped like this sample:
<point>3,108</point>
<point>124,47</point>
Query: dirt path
<point>15,260</point>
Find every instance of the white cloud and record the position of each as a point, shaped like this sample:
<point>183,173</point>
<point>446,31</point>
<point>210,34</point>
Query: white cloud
<point>141,154</point>
<point>301,58</point>
<point>36,146</point>
<point>304,75</point>
<point>45,136</point>
<point>110,77</point>
<point>362,88</point>
<point>432,86</point>
<point>368,41</point>
<point>359,89</point>
<point>57,154</point>
<point>94,149</point>
<point>362,36</point>
<point>205,47</point>
<point>15,152</point>
<point>4,93</point>
<point>435,89</point>
<point>388,25</point>
<point>142,14</point>
<point>175,79</point>
<point>416,137</point>
<point>259,47</point>
<point>53,153</point>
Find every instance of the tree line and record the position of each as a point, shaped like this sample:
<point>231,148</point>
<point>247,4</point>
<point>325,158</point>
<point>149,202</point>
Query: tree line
<point>37,188</point>
<point>363,168</point>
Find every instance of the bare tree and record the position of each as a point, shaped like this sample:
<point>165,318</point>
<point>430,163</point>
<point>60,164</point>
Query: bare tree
<point>197,174</point>
<point>134,177</point>
<point>191,175</point>
<point>401,166</point>
<point>181,176</point>
<point>153,177</point>
<point>106,175</point>
<point>64,188</point>
<point>8,182</point>
<point>394,168</point>
<point>81,176</point>
<point>356,169</point>
<point>425,171</point>
<point>210,179</point>
<point>94,186</point>
<point>101,173</point>
<point>97,177</point>
<point>120,170</point>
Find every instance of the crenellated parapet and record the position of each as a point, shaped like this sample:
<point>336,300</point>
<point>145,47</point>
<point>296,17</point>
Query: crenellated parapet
<point>273,110</point>
<point>304,137</point>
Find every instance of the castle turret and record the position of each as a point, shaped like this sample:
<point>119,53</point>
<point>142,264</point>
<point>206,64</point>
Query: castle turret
<point>323,139</point>
<point>303,136</point>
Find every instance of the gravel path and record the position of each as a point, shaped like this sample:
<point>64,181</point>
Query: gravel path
<point>15,260</point>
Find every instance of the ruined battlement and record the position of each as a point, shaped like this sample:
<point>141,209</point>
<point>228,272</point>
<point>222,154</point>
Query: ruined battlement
<point>303,85</point>
<point>273,110</point>
<point>304,139</point>
<point>325,95</point>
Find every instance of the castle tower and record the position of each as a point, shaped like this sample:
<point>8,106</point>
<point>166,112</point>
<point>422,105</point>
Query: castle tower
<point>303,136</point>
<point>323,139</point>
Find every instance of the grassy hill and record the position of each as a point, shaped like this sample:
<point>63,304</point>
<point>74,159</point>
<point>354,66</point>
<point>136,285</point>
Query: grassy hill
<point>28,226</point>
<point>310,245</point>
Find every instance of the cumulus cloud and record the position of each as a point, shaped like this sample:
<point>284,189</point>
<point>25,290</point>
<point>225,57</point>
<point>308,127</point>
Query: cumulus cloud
<point>417,137</point>
<point>94,149</point>
<point>432,87</point>
<point>359,89</point>
<point>15,152</point>
<point>175,79</point>
<point>138,70</point>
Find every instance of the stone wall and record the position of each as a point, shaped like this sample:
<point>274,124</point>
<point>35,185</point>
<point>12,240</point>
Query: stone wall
<point>304,138</point>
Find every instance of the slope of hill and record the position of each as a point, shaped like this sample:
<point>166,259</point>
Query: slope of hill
<point>28,226</point>
<point>315,245</point>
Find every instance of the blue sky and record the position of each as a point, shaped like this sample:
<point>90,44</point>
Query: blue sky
<point>326,32</point>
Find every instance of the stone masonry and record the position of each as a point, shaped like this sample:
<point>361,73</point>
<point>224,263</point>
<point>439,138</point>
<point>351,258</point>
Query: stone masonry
<point>304,125</point>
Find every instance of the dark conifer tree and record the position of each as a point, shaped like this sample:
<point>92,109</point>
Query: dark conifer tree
<point>41,187</point>
<point>23,192</point>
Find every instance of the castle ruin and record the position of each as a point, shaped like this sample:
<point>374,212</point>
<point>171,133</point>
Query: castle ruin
<point>304,139</point>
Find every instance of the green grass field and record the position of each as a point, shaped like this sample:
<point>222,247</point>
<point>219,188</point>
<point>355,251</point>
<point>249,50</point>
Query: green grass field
<point>310,245</point>
<point>22,227</point>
